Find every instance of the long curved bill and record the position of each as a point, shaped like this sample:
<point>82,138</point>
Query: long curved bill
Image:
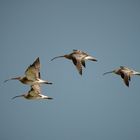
<point>17,96</point>
<point>6,80</point>
<point>56,57</point>
<point>108,72</point>
<point>16,78</point>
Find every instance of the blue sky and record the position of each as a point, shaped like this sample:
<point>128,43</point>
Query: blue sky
<point>89,107</point>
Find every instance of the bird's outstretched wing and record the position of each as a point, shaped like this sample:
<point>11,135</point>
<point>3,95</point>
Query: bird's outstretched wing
<point>33,71</point>
<point>78,65</point>
<point>126,78</point>
<point>124,68</point>
<point>80,52</point>
<point>35,90</point>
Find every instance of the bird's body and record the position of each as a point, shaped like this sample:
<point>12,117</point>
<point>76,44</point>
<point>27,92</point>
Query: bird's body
<point>78,58</point>
<point>32,75</point>
<point>34,93</point>
<point>125,74</point>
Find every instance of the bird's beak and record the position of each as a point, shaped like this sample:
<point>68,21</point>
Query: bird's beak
<point>108,72</point>
<point>18,96</point>
<point>16,78</point>
<point>57,57</point>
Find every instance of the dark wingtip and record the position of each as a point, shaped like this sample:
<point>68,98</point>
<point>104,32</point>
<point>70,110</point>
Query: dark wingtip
<point>36,63</point>
<point>80,73</point>
<point>127,84</point>
<point>37,59</point>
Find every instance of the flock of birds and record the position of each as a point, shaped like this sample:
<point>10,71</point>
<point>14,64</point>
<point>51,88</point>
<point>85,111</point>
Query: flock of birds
<point>32,74</point>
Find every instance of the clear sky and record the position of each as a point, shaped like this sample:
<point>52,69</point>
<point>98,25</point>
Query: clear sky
<point>88,107</point>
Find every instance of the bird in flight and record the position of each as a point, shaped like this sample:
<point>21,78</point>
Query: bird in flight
<point>33,94</point>
<point>32,75</point>
<point>125,74</point>
<point>78,58</point>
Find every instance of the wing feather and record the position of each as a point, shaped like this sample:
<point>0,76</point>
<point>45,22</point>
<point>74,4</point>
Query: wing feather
<point>34,91</point>
<point>78,65</point>
<point>33,71</point>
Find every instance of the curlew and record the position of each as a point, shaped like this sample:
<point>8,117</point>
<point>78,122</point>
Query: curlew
<point>32,75</point>
<point>34,93</point>
<point>125,74</point>
<point>78,58</point>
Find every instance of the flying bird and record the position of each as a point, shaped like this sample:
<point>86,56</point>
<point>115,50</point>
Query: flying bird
<point>32,75</point>
<point>125,74</point>
<point>34,93</point>
<point>78,58</point>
